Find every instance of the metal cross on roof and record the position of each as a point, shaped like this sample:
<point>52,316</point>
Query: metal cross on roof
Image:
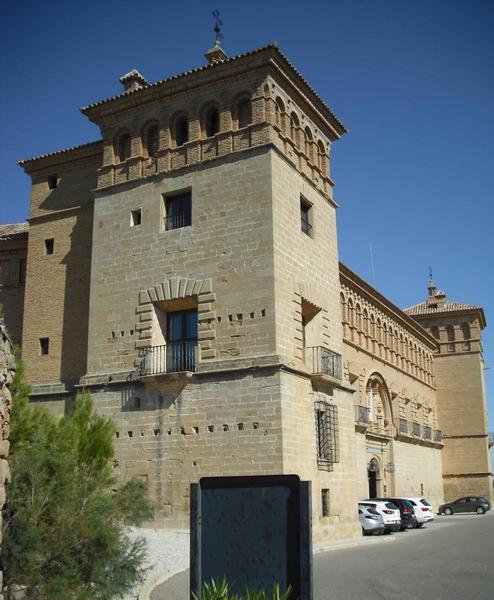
<point>217,27</point>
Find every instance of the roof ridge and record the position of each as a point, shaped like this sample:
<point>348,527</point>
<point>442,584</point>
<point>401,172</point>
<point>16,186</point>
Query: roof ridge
<point>57,152</point>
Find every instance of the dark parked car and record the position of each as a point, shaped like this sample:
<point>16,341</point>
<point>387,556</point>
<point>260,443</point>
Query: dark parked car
<point>408,519</point>
<point>477,504</point>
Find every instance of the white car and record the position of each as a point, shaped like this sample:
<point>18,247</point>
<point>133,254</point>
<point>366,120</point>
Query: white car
<point>423,510</point>
<point>371,521</point>
<point>389,512</point>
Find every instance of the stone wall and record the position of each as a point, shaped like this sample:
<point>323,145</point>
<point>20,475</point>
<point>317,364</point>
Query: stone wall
<point>7,370</point>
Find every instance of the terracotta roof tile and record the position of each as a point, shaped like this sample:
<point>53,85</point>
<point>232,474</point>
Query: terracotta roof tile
<point>13,231</point>
<point>433,308</point>
<point>212,66</point>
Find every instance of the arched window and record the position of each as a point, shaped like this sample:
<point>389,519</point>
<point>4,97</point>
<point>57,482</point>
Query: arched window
<point>244,113</point>
<point>366,321</point>
<point>279,109</point>
<point>294,126</point>
<point>124,147</point>
<point>212,122</point>
<point>343,308</point>
<point>435,332</point>
<point>465,329</point>
<point>450,333</point>
<point>322,158</point>
<point>152,140</point>
<point>181,131</point>
<point>351,316</point>
<point>309,145</point>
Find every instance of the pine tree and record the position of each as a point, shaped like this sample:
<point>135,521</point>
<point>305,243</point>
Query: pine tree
<point>65,518</point>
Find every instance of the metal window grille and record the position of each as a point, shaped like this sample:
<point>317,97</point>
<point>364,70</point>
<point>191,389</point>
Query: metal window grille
<point>327,435</point>
<point>325,503</point>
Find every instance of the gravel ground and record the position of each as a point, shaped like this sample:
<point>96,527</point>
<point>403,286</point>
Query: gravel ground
<point>166,550</point>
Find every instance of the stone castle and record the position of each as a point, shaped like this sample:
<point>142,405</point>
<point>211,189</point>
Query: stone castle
<point>184,269</point>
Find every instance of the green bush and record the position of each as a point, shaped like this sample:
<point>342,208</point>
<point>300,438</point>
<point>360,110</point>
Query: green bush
<point>221,591</point>
<point>65,516</point>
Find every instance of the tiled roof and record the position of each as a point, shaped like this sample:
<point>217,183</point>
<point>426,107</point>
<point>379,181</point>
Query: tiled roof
<point>28,160</point>
<point>13,231</point>
<point>215,65</point>
<point>434,307</point>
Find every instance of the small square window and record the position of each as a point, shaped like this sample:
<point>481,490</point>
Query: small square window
<point>178,211</point>
<point>49,246</point>
<point>52,182</point>
<point>135,217</point>
<point>325,503</point>
<point>306,216</point>
<point>44,345</point>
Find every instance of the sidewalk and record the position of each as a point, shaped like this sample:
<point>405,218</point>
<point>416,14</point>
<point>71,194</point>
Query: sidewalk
<point>157,582</point>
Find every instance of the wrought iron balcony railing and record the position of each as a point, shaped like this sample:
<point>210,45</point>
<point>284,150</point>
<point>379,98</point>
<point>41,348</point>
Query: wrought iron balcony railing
<point>177,221</point>
<point>173,357</point>
<point>322,361</point>
<point>362,414</point>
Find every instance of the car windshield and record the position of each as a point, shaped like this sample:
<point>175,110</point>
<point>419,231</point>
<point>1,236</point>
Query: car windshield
<point>482,499</point>
<point>407,504</point>
<point>424,502</point>
<point>373,511</point>
<point>391,506</point>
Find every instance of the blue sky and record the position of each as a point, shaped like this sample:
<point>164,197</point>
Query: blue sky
<point>412,81</point>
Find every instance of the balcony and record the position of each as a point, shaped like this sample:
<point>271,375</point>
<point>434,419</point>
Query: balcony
<point>324,364</point>
<point>491,439</point>
<point>174,357</point>
<point>178,221</point>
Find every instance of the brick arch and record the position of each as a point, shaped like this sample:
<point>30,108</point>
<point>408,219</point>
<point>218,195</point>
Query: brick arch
<point>177,288</point>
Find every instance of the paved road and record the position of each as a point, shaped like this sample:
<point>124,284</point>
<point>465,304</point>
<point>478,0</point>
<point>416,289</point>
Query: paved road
<point>451,559</point>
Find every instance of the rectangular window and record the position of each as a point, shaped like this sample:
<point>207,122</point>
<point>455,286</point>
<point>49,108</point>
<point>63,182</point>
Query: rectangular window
<point>178,209</point>
<point>49,246</point>
<point>52,182</point>
<point>181,338</point>
<point>135,217</point>
<point>325,502</point>
<point>44,345</point>
<point>22,270</point>
<point>306,216</point>
<point>327,435</point>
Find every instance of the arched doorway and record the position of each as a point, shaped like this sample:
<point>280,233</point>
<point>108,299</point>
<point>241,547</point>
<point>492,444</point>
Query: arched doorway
<point>373,472</point>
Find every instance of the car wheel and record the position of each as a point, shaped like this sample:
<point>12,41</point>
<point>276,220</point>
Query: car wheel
<point>480,510</point>
<point>419,525</point>
<point>387,532</point>
<point>448,511</point>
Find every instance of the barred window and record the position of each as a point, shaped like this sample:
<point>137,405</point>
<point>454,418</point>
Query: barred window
<point>328,451</point>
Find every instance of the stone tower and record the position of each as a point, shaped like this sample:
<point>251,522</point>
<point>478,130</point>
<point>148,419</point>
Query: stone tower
<point>459,378</point>
<point>185,269</point>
